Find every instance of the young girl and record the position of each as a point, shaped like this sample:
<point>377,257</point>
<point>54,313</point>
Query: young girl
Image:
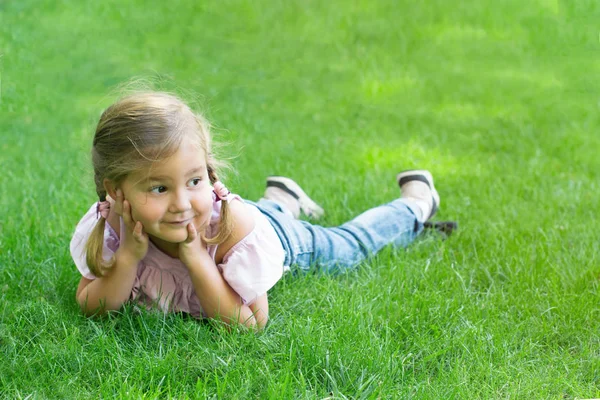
<point>167,233</point>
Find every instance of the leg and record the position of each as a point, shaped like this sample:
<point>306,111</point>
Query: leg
<point>343,247</point>
<point>333,249</point>
<point>397,223</point>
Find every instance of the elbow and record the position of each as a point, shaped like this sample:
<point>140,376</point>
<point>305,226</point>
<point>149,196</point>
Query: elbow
<point>85,308</point>
<point>251,324</point>
<point>88,308</point>
<point>90,314</point>
<point>256,322</point>
<point>248,323</point>
<point>82,298</point>
<point>261,321</point>
<point>82,302</point>
<point>93,312</point>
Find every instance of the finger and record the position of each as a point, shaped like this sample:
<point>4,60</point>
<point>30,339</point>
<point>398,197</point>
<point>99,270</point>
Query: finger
<point>119,202</point>
<point>192,233</point>
<point>138,231</point>
<point>127,214</point>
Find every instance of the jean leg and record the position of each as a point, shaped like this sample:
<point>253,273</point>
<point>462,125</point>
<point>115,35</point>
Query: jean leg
<point>333,249</point>
<point>343,247</point>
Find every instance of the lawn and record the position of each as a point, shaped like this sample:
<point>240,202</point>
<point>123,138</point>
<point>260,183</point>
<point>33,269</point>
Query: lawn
<point>499,99</point>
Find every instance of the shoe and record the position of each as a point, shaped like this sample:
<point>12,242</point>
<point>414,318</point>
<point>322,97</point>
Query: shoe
<point>417,185</point>
<point>445,228</point>
<point>288,193</point>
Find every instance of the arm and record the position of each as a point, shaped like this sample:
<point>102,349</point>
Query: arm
<point>219,300</point>
<point>217,297</point>
<point>110,291</point>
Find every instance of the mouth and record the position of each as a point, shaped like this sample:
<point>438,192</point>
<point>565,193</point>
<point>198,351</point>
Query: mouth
<point>181,222</point>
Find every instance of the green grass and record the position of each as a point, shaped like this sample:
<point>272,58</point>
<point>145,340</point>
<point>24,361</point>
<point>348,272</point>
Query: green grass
<point>499,99</point>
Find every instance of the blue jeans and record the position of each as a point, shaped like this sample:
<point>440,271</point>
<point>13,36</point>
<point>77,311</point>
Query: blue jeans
<point>340,248</point>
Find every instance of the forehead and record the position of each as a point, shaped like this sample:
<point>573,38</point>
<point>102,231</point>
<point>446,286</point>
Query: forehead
<point>188,158</point>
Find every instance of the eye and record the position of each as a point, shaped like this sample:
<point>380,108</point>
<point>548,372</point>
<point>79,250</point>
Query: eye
<point>158,189</point>
<point>194,182</point>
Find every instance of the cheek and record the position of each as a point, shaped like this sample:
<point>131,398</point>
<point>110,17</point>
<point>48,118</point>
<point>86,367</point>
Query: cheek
<point>203,202</point>
<point>144,209</point>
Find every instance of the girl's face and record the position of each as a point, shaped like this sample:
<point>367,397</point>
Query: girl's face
<point>173,194</point>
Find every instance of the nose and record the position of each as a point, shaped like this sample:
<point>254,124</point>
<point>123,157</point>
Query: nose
<point>180,202</point>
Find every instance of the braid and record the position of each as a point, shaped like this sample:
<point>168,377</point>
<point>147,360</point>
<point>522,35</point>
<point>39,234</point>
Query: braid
<point>94,251</point>
<point>95,244</point>
<point>226,224</point>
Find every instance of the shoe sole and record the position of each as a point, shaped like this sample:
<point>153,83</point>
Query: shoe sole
<point>307,205</point>
<point>446,228</point>
<point>424,176</point>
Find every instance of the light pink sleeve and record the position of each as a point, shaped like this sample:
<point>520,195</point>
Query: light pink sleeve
<point>80,237</point>
<point>254,264</point>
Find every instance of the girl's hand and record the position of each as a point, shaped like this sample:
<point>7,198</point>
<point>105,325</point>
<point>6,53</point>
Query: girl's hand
<point>192,248</point>
<point>134,241</point>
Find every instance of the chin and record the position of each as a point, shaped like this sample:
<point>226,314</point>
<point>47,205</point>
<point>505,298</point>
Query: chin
<point>180,238</point>
<point>174,237</point>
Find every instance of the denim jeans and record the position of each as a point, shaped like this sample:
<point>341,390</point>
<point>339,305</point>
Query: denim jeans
<point>337,249</point>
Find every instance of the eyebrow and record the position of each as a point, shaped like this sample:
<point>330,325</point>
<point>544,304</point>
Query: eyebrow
<point>192,171</point>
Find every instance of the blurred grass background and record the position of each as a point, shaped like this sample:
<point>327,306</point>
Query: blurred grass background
<point>498,99</point>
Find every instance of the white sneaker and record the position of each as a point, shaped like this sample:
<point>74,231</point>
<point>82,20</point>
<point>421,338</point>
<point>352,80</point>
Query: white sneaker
<point>417,185</point>
<point>290,195</point>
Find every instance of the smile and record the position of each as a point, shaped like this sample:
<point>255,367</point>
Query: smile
<point>179,223</point>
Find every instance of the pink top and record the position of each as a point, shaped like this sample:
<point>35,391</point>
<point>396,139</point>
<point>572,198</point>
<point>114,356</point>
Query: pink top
<point>251,267</point>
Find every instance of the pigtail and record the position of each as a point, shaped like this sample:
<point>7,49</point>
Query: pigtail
<point>226,223</point>
<point>95,248</point>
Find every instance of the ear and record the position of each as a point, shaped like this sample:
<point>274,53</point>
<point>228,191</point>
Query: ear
<point>110,187</point>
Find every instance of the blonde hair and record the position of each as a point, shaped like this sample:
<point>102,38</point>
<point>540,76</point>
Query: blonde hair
<point>135,132</point>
